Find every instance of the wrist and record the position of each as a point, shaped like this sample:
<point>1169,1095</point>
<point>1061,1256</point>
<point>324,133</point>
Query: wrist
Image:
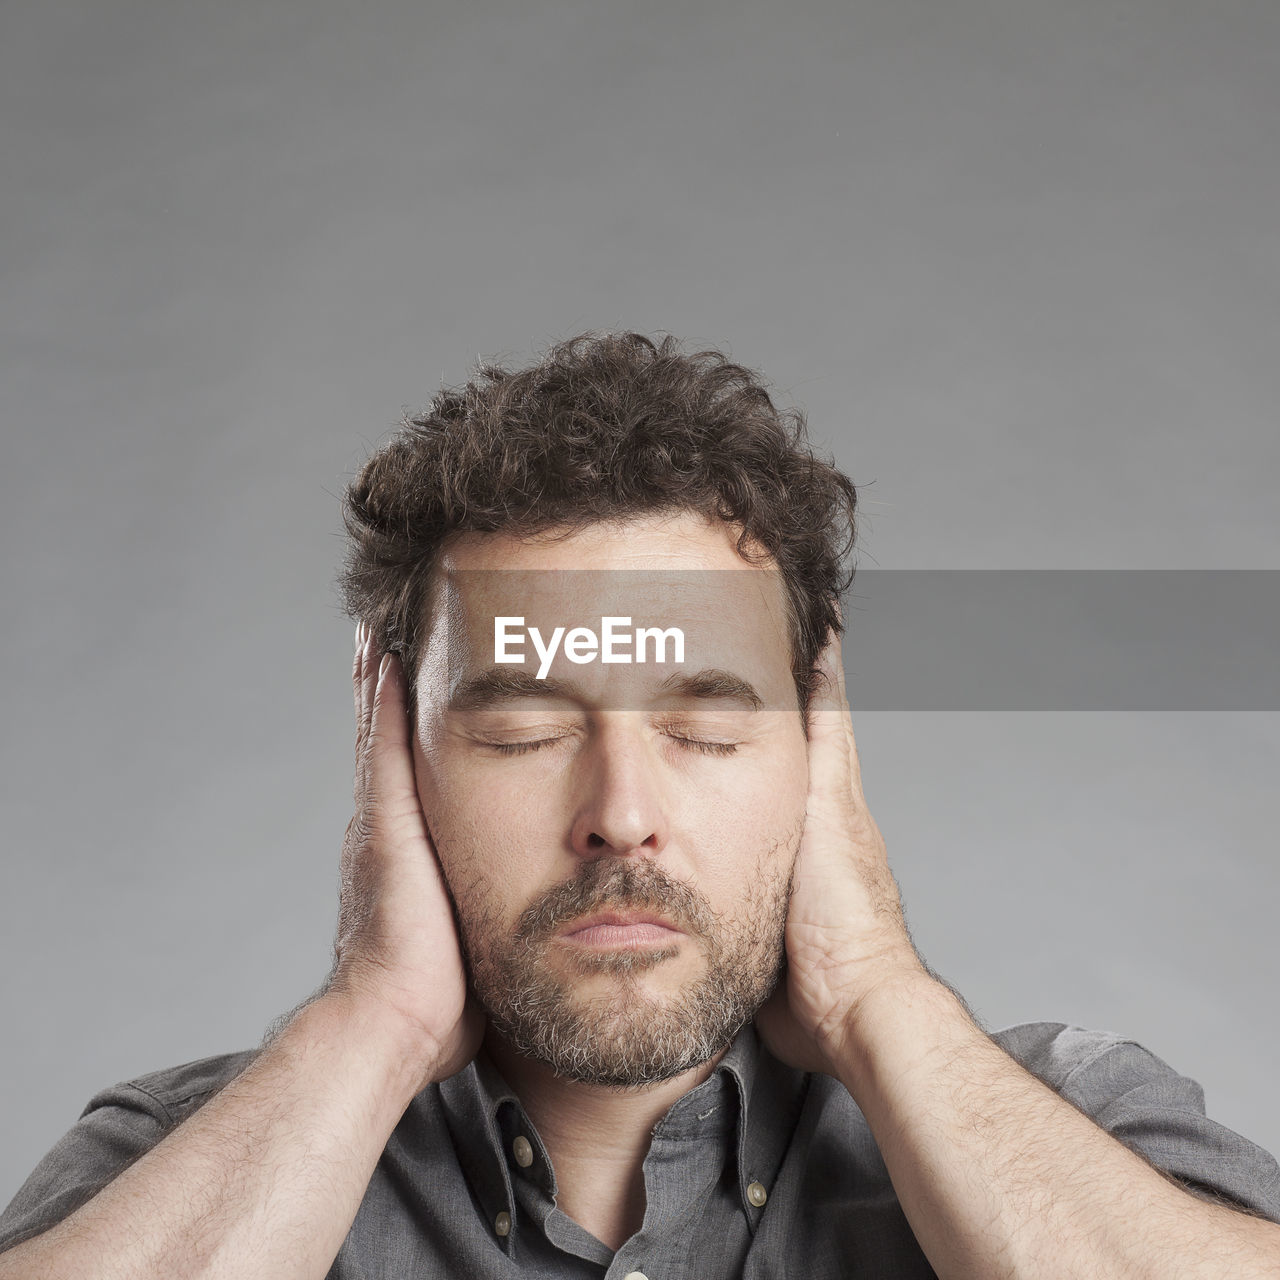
<point>899,1023</point>
<point>409,1057</point>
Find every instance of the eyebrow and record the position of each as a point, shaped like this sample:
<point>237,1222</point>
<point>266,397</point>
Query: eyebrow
<point>493,686</point>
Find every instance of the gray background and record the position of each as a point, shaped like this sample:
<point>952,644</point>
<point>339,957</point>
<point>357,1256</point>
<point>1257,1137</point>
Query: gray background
<point>1019,261</point>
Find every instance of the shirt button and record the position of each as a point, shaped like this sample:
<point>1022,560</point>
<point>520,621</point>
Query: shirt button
<point>756,1194</point>
<point>502,1223</point>
<point>523,1151</point>
<point>635,1275</point>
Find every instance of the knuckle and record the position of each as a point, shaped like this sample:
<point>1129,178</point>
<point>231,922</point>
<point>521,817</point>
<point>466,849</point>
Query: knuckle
<point>359,829</point>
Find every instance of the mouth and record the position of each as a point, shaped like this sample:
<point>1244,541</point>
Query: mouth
<point>620,929</point>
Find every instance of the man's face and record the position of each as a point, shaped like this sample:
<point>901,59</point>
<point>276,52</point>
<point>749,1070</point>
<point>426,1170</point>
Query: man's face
<point>672,804</point>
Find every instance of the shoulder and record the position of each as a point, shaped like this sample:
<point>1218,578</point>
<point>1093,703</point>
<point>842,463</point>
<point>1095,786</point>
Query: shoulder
<point>1062,1055</point>
<point>1148,1105</point>
<point>172,1093</point>
<point>1107,1075</point>
<point>1111,1077</point>
<point>118,1125</point>
<point>1119,1083</point>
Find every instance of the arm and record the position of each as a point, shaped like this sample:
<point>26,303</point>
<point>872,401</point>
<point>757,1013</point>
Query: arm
<point>998,1176</point>
<point>1001,1177</point>
<point>265,1179</point>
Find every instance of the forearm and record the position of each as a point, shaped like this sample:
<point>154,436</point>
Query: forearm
<point>264,1180</point>
<point>999,1177</point>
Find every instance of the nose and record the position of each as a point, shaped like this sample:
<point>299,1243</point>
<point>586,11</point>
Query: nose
<point>622,807</point>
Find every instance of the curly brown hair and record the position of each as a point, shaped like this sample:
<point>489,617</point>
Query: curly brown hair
<point>605,426</point>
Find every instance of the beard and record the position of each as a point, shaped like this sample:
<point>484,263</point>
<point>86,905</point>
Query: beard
<point>625,1037</point>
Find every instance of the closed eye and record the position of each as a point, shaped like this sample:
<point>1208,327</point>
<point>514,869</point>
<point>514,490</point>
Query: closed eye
<point>696,744</point>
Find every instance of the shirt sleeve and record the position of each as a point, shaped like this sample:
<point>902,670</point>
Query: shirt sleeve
<point>118,1125</point>
<point>1153,1110</point>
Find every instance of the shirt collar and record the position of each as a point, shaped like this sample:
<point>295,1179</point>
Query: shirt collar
<point>485,1118</point>
<point>772,1095</point>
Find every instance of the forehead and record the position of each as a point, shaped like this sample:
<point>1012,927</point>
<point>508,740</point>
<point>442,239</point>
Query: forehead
<point>679,540</point>
<point>675,571</point>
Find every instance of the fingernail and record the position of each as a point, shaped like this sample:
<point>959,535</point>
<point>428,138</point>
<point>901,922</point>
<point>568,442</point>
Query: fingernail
<point>383,665</point>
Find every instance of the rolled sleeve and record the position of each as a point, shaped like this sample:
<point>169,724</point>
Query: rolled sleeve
<point>118,1125</point>
<point>1154,1111</point>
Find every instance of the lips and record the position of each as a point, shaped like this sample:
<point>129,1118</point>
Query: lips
<point>622,918</point>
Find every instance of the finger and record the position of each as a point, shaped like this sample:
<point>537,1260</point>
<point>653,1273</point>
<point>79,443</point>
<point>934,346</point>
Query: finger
<point>829,746</point>
<point>855,761</point>
<point>368,681</point>
<point>835,657</point>
<point>356,665</point>
<point>837,663</point>
<point>392,790</point>
<point>833,755</point>
<point>827,702</point>
<point>846,715</point>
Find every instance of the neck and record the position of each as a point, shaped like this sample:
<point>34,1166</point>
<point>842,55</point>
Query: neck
<point>596,1136</point>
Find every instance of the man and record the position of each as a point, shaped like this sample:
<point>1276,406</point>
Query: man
<point>622,984</point>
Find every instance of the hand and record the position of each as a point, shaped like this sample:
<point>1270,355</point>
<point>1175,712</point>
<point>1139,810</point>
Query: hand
<point>845,934</point>
<point>397,946</point>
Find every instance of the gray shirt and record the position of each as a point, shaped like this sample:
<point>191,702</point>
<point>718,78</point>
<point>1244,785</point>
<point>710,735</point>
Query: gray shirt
<point>760,1171</point>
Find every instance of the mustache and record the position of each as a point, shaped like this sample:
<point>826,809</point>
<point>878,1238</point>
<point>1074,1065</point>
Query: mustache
<point>618,884</point>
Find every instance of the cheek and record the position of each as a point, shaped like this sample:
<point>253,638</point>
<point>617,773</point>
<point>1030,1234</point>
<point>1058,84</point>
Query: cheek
<point>751,834</point>
<point>451,792</point>
<point>493,866</point>
<point>771,794</point>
